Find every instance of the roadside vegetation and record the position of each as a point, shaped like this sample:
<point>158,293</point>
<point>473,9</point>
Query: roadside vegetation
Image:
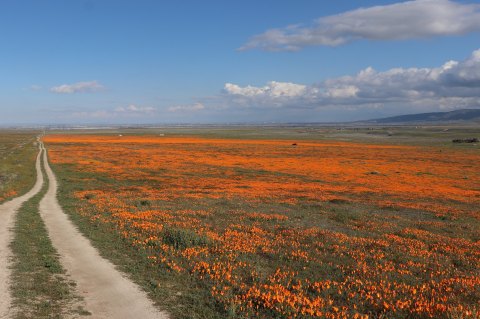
<point>278,228</point>
<point>18,151</point>
<point>40,287</point>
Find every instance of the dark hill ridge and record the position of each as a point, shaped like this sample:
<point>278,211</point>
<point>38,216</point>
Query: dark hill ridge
<point>452,116</point>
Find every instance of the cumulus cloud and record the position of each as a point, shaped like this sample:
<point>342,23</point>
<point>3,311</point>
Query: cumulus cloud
<point>405,20</point>
<point>272,89</point>
<point>451,85</point>
<point>187,108</point>
<point>79,87</point>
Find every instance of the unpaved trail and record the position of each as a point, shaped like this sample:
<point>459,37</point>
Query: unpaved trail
<point>107,293</point>
<point>7,221</point>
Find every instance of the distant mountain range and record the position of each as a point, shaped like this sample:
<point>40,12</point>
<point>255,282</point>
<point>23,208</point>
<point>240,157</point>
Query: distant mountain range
<point>464,115</point>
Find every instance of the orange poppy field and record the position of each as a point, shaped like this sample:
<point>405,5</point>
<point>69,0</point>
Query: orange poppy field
<point>269,228</point>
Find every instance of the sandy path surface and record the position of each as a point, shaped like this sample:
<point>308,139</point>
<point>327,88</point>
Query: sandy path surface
<point>7,221</point>
<point>107,293</point>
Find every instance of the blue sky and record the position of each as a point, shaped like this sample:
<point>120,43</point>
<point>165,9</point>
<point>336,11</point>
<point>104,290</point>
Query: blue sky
<point>105,61</point>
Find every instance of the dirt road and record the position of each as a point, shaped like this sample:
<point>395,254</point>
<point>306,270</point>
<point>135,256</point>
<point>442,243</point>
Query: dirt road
<point>107,292</point>
<point>7,221</point>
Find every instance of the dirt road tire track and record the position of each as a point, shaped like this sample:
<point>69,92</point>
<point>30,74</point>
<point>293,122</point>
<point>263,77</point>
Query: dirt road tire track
<point>7,221</point>
<point>107,293</point>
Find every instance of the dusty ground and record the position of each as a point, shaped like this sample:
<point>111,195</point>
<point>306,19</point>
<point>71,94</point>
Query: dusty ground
<point>7,218</point>
<point>107,293</point>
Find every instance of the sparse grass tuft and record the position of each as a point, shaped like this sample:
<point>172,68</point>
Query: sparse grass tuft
<point>181,238</point>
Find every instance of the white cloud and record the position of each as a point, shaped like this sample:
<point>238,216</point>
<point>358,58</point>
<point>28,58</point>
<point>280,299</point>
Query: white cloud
<point>451,85</point>
<point>187,108</point>
<point>246,91</point>
<point>133,109</point>
<point>405,20</point>
<point>272,89</point>
<point>342,92</point>
<point>79,87</point>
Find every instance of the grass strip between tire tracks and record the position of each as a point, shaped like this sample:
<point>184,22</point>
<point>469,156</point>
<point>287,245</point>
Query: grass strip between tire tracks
<point>40,286</point>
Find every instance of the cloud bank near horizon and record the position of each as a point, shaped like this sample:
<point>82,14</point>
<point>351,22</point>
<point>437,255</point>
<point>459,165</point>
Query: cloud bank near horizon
<point>406,20</point>
<point>451,85</point>
<point>79,87</point>
<point>187,108</point>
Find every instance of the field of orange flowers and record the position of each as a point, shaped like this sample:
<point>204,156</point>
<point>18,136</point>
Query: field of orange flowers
<point>280,229</point>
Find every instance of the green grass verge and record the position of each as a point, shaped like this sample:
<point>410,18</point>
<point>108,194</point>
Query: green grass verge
<point>18,151</point>
<point>40,287</point>
<point>180,295</point>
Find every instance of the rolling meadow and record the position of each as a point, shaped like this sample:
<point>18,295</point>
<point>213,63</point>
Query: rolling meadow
<point>241,227</point>
<point>240,160</point>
